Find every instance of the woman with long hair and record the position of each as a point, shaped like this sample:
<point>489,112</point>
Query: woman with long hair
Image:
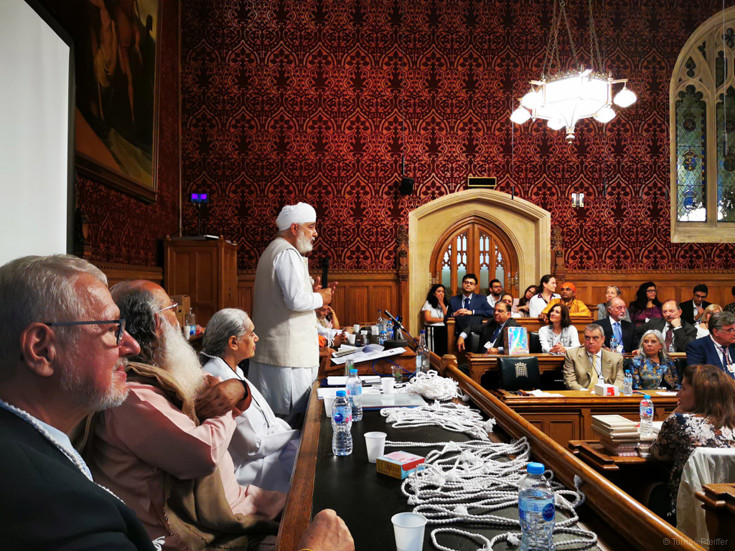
<point>433,312</point>
<point>538,303</point>
<point>651,365</point>
<point>560,334</point>
<point>646,304</point>
<point>520,306</point>
<point>705,417</point>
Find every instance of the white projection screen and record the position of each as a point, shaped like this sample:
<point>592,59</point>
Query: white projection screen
<point>36,139</point>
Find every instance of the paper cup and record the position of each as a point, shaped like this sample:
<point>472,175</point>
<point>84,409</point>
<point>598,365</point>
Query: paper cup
<point>409,531</point>
<point>351,338</point>
<point>356,328</point>
<point>375,443</point>
<point>388,384</point>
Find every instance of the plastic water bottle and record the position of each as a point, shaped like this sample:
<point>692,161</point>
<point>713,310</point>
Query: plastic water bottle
<point>354,390</point>
<point>536,510</point>
<point>627,384</point>
<point>190,327</point>
<point>380,322</point>
<point>383,336</point>
<point>646,416</point>
<point>341,425</point>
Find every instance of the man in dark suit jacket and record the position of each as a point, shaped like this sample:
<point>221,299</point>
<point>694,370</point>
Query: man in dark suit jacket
<point>675,330</point>
<point>469,307</point>
<point>718,348</point>
<point>616,314</point>
<point>692,310</point>
<point>491,334</point>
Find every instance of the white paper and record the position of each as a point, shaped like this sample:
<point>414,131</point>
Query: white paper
<point>542,394</point>
<point>666,393</point>
<point>366,357</point>
<point>341,380</point>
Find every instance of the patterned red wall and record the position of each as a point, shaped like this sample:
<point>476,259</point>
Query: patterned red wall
<point>313,99</point>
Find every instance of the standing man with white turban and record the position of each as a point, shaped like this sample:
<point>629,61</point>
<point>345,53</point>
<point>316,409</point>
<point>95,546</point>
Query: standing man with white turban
<point>286,360</point>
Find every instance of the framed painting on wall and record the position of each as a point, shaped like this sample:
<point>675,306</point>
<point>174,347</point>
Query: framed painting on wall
<point>117,60</point>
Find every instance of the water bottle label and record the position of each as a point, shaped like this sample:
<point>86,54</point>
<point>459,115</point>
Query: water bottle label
<point>648,410</point>
<point>548,511</point>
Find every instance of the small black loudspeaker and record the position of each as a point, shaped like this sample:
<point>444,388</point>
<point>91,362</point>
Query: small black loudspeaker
<point>406,186</point>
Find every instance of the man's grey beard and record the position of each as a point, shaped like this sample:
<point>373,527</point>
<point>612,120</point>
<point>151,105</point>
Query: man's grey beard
<point>175,355</point>
<point>85,394</point>
<point>303,243</point>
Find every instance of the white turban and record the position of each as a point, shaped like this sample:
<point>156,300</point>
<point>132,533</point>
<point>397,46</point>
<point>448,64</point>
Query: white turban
<point>295,214</point>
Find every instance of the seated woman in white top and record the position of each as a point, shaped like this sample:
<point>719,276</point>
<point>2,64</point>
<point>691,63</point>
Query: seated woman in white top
<point>702,329</point>
<point>263,447</point>
<point>521,305</point>
<point>560,334</point>
<point>538,303</point>
<point>433,312</point>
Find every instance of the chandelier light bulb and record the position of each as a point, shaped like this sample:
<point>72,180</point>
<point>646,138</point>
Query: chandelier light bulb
<point>625,98</point>
<point>604,115</point>
<point>520,115</point>
<point>532,100</point>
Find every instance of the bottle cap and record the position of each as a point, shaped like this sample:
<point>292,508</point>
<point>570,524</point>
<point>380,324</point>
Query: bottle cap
<point>646,397</point>
<point>535,468</point>
<point>341,393</point>
<point>627,371</point>
<point>353,371</point>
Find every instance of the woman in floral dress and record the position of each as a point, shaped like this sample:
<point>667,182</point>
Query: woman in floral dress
<point>652,367</point>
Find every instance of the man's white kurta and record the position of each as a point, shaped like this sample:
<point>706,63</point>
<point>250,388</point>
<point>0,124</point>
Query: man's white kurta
<point>286,359</point>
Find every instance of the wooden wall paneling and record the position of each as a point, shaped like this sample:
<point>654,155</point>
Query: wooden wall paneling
<point>117,273</point>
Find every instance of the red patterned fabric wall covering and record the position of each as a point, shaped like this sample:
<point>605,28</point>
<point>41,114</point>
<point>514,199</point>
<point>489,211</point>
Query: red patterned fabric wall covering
<point>124,229</point>
<point>315,100</point>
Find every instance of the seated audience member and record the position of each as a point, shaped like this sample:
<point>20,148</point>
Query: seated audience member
<point>491,333</point>
<point>677,333</point>
<point>718,348</point>
<point>494,292</point>
<point>57,367</point>
<point>560,334</point>
<point>263,447</point>
<point>612,291</point>
<point>547,292</point>
<point>327,317</point>
<point>521,305</point>
<point>576,307</point>
<point>511,302</point>
<point>615,326</point>
<point>434,310</point>
<point>164,450</point>
<point>730,307</point>
<point>585,365</point>
<point>646,305</point>
<point>692,310</point>
<point>705,417</point>
<point>651,366</point>
<point>703,325</point>
<point>467,307</point>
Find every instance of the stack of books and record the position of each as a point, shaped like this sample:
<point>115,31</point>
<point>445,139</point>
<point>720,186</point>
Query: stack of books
<point>620,436</point>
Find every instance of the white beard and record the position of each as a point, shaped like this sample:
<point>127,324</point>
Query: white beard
<point>175,355</point>
<point>303,243</point>
<point>84,392</point>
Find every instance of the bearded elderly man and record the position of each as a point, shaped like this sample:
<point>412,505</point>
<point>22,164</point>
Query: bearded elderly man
<point>164,450</point>
<point>62,355</point>
<point>286,361</point>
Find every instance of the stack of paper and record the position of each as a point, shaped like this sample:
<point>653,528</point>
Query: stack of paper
<point>618,435</point>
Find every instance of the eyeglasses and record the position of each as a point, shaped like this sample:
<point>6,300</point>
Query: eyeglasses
<point>728,330</point>
<point>119,332</point>
<point>173,305</point>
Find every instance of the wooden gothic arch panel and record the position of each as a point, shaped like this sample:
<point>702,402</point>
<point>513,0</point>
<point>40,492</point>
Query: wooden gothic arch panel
<point>478,246</point>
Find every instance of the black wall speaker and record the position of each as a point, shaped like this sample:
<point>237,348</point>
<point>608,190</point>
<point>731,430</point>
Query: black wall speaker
<point>482,181</point>
<point>406,186</point>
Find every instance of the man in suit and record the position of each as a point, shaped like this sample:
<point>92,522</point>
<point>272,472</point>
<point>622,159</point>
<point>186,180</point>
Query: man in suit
<point>718,348</point>
<point>57,367</point>
<point>692,310</point>
<point>586,364</point>
<point>468,307</point>
<point>615,326</point>
<point>491,334</point>
<point>677,333</point>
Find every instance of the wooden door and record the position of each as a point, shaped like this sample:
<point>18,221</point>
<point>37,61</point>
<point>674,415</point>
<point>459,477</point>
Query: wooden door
<point>477,246</point>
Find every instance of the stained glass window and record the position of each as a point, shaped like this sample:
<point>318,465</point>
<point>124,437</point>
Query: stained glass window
<point>726,157</point>
<point>691,127</point>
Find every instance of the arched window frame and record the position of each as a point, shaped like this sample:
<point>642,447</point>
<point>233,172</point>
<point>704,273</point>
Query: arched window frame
<point>703,80</point>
